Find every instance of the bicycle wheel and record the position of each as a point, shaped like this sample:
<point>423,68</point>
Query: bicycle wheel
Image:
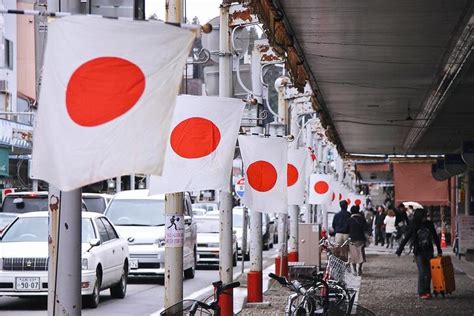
<point>185,308</point>
<point>304,305</point>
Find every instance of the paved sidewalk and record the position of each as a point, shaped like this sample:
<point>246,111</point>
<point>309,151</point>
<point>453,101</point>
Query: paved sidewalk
<point>389,286</point>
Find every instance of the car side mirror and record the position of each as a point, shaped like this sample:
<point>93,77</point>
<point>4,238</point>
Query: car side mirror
<point>93,243</point>
<point>188,220</point>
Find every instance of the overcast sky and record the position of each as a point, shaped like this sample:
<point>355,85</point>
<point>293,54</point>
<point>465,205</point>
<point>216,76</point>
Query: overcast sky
<point>203,9</point>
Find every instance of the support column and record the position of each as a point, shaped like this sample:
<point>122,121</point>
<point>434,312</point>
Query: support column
<point>173,252</point>
<point>254,277</point>
<point>225,90</point>
<point>173,206</point>
<point>64,270</point>
<point>294,211</point>
<point>281,261</point>
<point>118,184</point>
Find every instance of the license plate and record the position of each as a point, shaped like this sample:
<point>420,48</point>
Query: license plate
<point>133,263</point>
<point>27,284</point>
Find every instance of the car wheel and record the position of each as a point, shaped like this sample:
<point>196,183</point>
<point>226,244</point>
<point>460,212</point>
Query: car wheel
<point>247,256</point>
<point>92,301</point>
<point>271,246</point>
<point>265,245</point>
<point>120,289</point>
<point>189,273</point>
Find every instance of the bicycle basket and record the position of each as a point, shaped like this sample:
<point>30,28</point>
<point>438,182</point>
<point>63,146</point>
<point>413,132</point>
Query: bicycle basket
<point>340,271</point>
<point>183,308</point>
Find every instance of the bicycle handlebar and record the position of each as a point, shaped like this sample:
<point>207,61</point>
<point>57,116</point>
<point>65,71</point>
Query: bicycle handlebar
<point>230,286</point>
<point>282,280</point>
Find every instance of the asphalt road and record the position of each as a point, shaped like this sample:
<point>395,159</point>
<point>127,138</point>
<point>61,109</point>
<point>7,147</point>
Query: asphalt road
<point>144,296</point>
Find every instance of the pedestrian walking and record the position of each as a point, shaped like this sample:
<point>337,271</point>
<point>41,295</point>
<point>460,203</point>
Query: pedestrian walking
<point>357,233</point>
<point>340,224</point>
<point>390,228</point>
<point>423,233</point>
<point>379,226</point>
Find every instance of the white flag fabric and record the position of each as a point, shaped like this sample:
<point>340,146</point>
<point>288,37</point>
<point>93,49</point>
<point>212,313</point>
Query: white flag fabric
<point>296,176</point>
<point>201,145</point>
<point>265,164</point>
<point>107,98</point>
<point>320,191</point>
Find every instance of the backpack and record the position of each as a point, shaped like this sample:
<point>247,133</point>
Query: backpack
<point>423,239</point>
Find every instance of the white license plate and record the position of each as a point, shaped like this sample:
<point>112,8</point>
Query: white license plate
<point>133,263</point>
<point>27,284</point>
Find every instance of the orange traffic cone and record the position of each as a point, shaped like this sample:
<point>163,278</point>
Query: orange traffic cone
<point>443,240</point>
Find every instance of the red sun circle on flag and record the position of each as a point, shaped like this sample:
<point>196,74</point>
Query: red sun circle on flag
<point>262,176</point>
<point>333,196</point>
<point>348,201</point>
<point>103,89</point>
<point>321,187</point>
<point>195,137</point>
<point>292,174</point>
<point>358,202</point>
<point>340,196</point>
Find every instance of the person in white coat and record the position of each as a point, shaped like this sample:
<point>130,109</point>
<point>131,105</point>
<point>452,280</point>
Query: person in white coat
<point>390,228</point>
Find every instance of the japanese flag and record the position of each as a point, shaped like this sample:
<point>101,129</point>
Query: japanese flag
<point>265,164</point>
<point>320,189</point>
<point>107,98</point>
<point>201,145</point>
<point>336,196</point>
<point>296,176</point>
<point>359,200</point>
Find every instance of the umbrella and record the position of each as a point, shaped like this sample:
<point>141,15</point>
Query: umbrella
<point>415,205</point>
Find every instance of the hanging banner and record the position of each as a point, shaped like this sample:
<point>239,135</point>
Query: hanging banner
<point>320,191</point>
<point>265,164</point>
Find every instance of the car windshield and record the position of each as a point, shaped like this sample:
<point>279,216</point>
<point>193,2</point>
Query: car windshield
<point>25,203</point>
<point>137,212</point>
<point>207,225</point>
<point>238,220</point>
<point>30,229</point>
<point>95,204</point>
<point>207,206</point>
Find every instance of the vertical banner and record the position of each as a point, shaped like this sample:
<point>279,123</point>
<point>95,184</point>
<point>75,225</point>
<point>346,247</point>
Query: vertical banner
<point>320,188</point>
<point>265,163</point>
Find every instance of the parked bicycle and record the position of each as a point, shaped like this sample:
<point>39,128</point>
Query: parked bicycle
<point>195,307</point>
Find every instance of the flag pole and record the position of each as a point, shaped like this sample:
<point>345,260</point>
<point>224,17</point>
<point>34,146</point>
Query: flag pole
<point>225,215</point>
<point>206,28</point>
<point>174,208</point>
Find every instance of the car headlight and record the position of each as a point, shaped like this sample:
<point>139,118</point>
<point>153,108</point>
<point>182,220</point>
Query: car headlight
<point>160,242</point>
<point>85,264</point>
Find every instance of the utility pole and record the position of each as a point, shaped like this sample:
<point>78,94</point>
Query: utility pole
<point>64,240</point>
<point>281,261</point>
<point>293,210</point>
<point>225,216</point>
<point>174,207</point>
<point>309,143</point>
<point>64,270</point>
<point>254,277</point>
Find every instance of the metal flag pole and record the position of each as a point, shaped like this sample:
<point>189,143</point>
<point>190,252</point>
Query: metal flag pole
<point>174,209</point>
<point>225,216</point>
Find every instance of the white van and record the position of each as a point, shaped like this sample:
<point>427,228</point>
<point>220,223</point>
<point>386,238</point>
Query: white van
<point>140,218</point>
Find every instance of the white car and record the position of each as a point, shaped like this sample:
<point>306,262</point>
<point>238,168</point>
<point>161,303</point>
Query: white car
<point>96,202</point>
<point>140,218</point>
<point>24,257</point>
<point>208,240</point>
<point>237,223</point>
<point>208,206</point>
